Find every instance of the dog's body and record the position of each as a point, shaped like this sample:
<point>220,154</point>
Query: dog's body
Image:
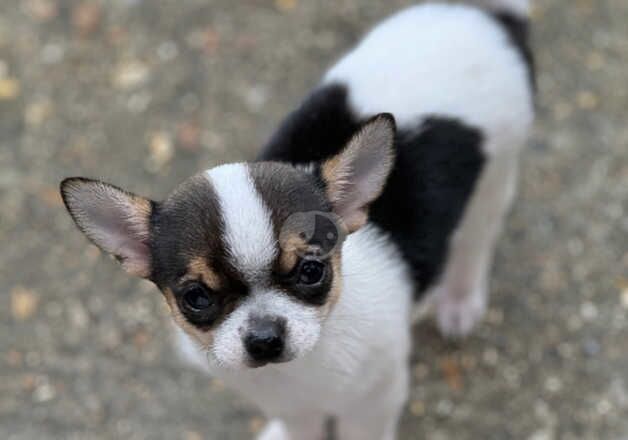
<point>459,82</point>
<point>454,81</point>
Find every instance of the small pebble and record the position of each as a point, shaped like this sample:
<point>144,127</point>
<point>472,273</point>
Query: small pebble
<point>285,5</point>
<point>188,135</point>
<point>444,407</point>
<point>210,41</point>
<point>167,50</point>
<point>52,53</point>
<point>490,356</point>
<point>587,100</point>
<point>78,317</point>
<point>9,88</point>
<point>553,384</point>
<point>14,358</point>
<point>542,434</point>
<point>38,112</point>
<point>42,10</point>
<point>23,303</point>
<point>86,17</point>
<point>44,391</point>
<point>603,407</point>
<point>160,151</point>
<point>130,74</point>
<point>588,311</point>
<point>624,297</point>
<point>138,102</point>
<point>256,98</point>
<point>417,408</point>
<point>192,435</point>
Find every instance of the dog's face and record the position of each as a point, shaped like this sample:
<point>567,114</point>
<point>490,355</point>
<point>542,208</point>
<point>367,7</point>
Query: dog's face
<point>247,255</point>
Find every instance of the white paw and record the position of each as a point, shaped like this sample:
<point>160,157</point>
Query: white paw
<point>274,430</point>
<point>457,315</point>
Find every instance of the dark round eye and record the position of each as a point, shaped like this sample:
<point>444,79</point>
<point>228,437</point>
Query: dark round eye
<point>311,272</point>
<point>196,298</point>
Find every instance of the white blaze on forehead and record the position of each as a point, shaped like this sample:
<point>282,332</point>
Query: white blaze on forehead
<point>248,231</point>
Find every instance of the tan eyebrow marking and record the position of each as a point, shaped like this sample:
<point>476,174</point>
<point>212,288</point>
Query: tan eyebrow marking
<point>292,245</point>
<point>198,268</point>
<point>336,286</point>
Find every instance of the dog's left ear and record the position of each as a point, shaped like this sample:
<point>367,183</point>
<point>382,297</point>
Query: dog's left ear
<point>116,221</point>
<point>356,176</point>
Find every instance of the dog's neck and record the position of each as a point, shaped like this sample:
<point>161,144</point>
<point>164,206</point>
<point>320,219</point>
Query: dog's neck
<point>372,316</point>
<point>373,309</point>
<point>376,288</point>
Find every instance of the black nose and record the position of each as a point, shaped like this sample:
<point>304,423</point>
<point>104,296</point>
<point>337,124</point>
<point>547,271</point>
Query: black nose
<point>265,340</point>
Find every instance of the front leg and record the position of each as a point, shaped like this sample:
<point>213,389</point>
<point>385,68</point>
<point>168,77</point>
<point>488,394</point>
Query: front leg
<point>295,427</point>
<point>377,417</point>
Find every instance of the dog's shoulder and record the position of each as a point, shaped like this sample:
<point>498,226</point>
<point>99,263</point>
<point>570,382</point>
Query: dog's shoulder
<point>318,129</point>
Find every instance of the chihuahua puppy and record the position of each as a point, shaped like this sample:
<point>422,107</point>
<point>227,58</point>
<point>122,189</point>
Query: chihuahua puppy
<point>293,278</point>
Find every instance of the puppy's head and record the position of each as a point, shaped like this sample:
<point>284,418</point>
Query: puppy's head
<point>246,255</point>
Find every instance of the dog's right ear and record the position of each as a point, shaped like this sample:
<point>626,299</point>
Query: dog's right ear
<point>116,221</point>
<point>356,176</point>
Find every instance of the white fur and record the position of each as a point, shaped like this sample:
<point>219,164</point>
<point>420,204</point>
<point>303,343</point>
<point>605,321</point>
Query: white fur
<point>437,59</point>
<point>359,367</point>
<point>248,231</point>
<point>302,328</point>
<point>462,293</point>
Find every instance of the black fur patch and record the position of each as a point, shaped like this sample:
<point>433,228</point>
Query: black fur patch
<point>435,172</point>
<point>315,130</point>
<point>185,226</point>
<point>518,30</point>
<point>188,225</point>
<point>286,191</point>
<point>436,167</point>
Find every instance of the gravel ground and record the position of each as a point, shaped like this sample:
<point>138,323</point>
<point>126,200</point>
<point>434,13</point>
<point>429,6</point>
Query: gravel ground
<point>145,93</point>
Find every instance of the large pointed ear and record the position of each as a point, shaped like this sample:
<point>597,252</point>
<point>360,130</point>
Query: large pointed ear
<point>114,220</point>
<point>356,176</point>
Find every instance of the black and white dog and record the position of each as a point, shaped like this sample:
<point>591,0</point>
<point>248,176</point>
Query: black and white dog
<point>293,278</point>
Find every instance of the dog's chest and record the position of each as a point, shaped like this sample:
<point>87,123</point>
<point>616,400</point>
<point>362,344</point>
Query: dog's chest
<point>334,377</point>
<point>364,341</point>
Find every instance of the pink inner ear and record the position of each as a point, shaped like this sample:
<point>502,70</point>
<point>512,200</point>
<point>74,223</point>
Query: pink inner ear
<point>115,221</point>
<point>137,263</point>
<point>364,167</point>
<point>122,230</point>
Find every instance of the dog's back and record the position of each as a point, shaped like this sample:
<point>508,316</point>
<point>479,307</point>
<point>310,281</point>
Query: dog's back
<point>460,82</point>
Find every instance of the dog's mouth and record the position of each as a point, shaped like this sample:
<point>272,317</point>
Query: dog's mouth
<point>254,364</point>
